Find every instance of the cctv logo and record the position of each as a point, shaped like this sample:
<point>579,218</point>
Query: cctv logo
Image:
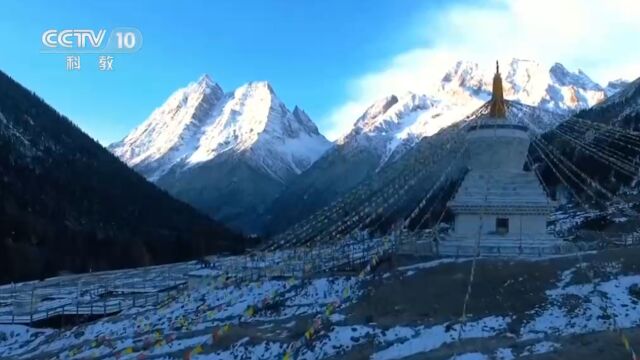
<point>73,38</point>
<point>118,40</point>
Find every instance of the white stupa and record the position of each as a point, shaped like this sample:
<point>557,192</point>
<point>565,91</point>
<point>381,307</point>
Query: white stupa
<point>499,206</point>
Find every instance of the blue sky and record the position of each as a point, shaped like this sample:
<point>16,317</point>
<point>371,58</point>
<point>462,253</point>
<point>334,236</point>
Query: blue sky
<point>307,49</point>
<point>330,57</point>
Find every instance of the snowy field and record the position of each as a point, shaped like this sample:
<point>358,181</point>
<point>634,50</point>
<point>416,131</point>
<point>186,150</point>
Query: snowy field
<point>93,293</point>
<point>218,317</point>
<point>113,291</point>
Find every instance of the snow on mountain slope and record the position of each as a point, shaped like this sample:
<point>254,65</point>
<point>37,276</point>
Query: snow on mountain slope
<point>169,132</point>
<point>570,91</point>
<point>529,82</point>
<point>200,122</point>
<point>622,109</point>
<point>539,120</point>
<point>615,86</point>
<point>401,121</point>
<point>394,124</point>
<point>20,142</point>
<point>627,94</point>
<point>388,131</point>
<point>281,142</point>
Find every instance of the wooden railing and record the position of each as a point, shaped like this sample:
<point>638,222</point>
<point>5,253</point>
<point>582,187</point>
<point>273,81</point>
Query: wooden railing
<point>95,307</point>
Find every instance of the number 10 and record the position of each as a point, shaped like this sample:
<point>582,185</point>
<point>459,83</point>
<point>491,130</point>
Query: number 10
<point>126,40</point>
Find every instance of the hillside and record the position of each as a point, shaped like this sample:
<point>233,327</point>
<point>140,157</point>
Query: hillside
<point>68,204</point>
<point>538,309</point>
<point>622,109</point>
<point>602,144</point>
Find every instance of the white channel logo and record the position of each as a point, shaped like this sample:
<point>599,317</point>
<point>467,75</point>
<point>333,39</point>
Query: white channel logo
<point>73,38</point>
<point>86,40</point>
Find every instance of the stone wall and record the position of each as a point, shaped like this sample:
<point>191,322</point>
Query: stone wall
<point>469,224</point>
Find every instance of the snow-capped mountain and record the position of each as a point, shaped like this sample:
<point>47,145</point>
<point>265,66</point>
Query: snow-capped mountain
<point>553,88</point>
<point>621,109</point>
<point>395,123</point>
<point>615,86</point>
<point>392,126</point>
<point>200,122</point>
<point>169,133</point>
<point>214,149</point>
<point>225,153</point>
<point>356,162</point>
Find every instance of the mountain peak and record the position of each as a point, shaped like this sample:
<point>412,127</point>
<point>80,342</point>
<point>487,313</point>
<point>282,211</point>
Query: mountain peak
<point>619,81</point>
<point>564,77</point>
<point>258,86</point>
<point>464,87</point>
<point>392,117</point>
<point>622,90</point>
<point>300,114</point>
<point>207,85</point>
<point>616,85</point>
<point>558,67</point>
<point>298,110</point>
<point>199,123</point>
<point>205,79</point>
<point>203,89</point>
<point>379,107</point>
<point>462,78</point>
<point>460,71</point>
<point>305,121</point>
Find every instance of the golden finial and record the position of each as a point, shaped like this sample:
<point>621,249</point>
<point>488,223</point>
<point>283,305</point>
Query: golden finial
<point>497,109</point>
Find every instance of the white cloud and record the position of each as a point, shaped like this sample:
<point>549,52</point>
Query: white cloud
<point>598,36</point>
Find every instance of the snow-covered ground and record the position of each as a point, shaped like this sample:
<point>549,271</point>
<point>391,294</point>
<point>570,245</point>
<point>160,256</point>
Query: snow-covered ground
<point>222,318</point>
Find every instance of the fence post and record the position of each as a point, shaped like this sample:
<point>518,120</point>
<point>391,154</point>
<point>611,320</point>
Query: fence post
<point>31,309</point>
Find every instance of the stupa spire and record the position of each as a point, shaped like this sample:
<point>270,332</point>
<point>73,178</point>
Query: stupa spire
<point>497,109</point>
